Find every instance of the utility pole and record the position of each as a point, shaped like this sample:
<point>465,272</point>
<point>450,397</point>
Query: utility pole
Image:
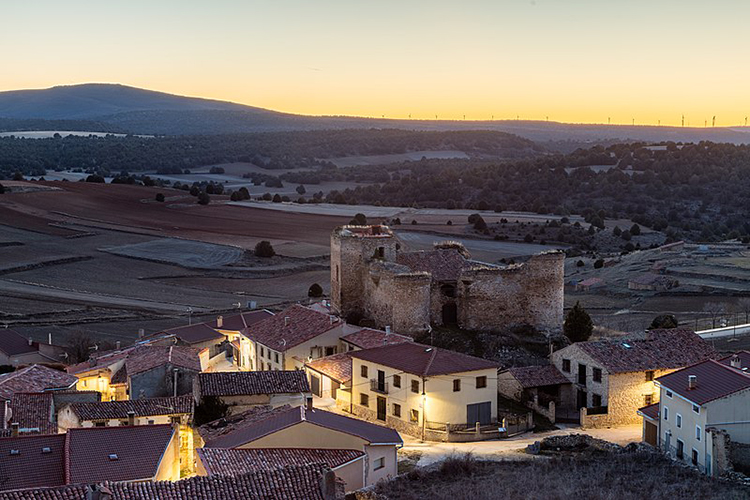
<point>713,121</point>
<point>683,120</point>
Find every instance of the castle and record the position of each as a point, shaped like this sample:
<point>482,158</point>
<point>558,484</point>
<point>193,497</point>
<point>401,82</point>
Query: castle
<point>373,278</point>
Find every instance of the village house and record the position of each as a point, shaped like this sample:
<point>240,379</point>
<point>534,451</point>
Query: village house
<point>34,378</point>
<point>613,378</point>
<point>424,391</point>
<point>16,350</point>
<point>90,455</point>
<point>241,391</point>
<point>299,482</point>
<point>29,413</point>
<point>297,334</point>
<point>212,345</point>
<point>307,427</point>
<point>139,371</point>
<point>652,282</point>
<point>235,328</point>
<point>144,411</point>
<point>541,388</point>
<point>703,413</point>
<point>348,465</point>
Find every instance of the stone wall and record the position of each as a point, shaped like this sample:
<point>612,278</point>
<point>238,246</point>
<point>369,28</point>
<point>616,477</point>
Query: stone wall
<point>395,297</point>
<point>400,425</point>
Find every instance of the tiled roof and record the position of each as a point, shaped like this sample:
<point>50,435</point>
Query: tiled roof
<point>34,378</point>
<point>225,425</point>
<point>33,412</point>
<point>120,376</point>
<point>651,411</point>
<point>248,383</point>
<point>538,376</point>
<point>714,380</point>
<point>367,338</point>
<point>138,450</point>
<point>102,361</point>
<point>240,322</point>
<point>445,264</point>
<point>302,482</point>
<point>147,357</point>
<point>293,326</point>
<point>194,334</point>
<point>283,417</point>
<point>661,349</point>
<point>234,462</point>
<point>337,367</point>
<point>423,360</point>
<point>13,343</point>
<point>32,466</point>
<point>143,407</point>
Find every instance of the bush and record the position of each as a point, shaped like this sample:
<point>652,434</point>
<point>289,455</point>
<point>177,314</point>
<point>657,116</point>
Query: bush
<point>264,249</point>
<point>2,189</point>
<point>635,230</point>
<point>664,321</point>
<point>358,220</point>
<point>617,231</point>
<point>204,198</point>
<point>580,263</point>
<point>626,235</point>
<point>160,197</point>
<point>301,189</point>
<point>267,197</point>
<point>276,198</point>
<point>480,224</point>
<point>216,170</point>
<point>449,223</point>
<point>95,178</point>
<point>459,465</point>
<point>414,222</point>
<point>528,238</point>
<point>315,291</point>
<point>195,191</point>
<point>599,263</point>
<point>578,325</point>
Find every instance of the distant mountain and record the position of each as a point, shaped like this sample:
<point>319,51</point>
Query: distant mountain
<point>128,109</point>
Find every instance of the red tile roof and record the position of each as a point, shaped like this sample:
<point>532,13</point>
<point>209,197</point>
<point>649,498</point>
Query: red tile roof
<point>120,376</point>
<point>234,462</point>
<point>367,338</point>
<point>650,411</point>
<point>32,466</point>
<point>445,264</point>
<point>249,383</point>
<point>714,380</point>
<point>145,358</point>
<point>143,407</point>
<point>337,367</point>
<point>194,334</point>
<point>538,376</point>
<point>13,343</point>
<point>660,349</point>
<point>102,361</point>
<point>303,324</point>
<point>423,360</point>
<point>34,378</point>
<point>276,420</point>
<point>240,322</point>
<point>225,425</point>
<point>302,482</point>
<point>138,450</point>
<point>33,412</point>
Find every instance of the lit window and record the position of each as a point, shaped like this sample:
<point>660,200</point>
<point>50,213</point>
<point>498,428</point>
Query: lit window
<point>379,463</point>
<point>415,415</point>
<point>481,382</point>
<point>457,385</point>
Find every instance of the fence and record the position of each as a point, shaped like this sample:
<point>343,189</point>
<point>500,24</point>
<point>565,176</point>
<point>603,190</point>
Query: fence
<point>508,425</point>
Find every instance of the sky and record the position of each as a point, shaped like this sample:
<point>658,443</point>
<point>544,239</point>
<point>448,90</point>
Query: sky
<point>579,61</point>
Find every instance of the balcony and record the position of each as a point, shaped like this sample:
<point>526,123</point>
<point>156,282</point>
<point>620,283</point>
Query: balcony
<point>379,387</point>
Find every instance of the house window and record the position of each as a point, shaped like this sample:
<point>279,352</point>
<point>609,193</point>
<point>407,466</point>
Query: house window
<point>596,400</point>
<point>364,399</point>
<point>396,410</point>
<point>649,375</point>
<point>363,371</point>
<point>397,381</point>
<point>330,351</point>
<point>100,424</point>
<point>457,385</point>
<point>262,352</point>
<point>481,382</point>
<point>697,409</point>
<point>379,463</point>
<point>151,422</point>
<point>669,394</point>
<point>695,456</point>
<point>566,365</point>
<point>666,413</point>
<point>415,386</point>
<point>597,374</point>
<point>697,432</point>
<point>83,383</point>
<point>648,399</point>
<point>679,421</point>
<point>276,357</point>
<point>680,449</point>
<point>415,415</point>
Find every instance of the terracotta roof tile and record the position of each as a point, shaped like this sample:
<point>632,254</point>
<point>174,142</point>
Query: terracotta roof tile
<point>661,349</point>
<point>714,380</point>
<point>32,466</point>
<point>303,324</point>
<point>233,462</point>
<point>147,357</point>
<point>144,407</point>
<point>13,343</point>
<point>120,376</point>
<point>538,376</point>
<point>138,450</point>
<point>367,338</point>
<point>240,322</point>
<point>248,383</point>
<point>33,412</point>
<point>423,360</point>
<point>34,378</point>
<point>337,367</point>
<point>651,411</point>
<point>194,334</point>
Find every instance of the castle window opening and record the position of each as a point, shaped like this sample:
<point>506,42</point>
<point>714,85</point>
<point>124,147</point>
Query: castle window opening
<point>449,290</point>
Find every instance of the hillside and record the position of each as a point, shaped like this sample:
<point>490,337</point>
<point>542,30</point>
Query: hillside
<point>119,108</point>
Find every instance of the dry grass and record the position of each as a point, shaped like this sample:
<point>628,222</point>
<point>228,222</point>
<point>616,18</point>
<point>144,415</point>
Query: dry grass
<point>617,477</point>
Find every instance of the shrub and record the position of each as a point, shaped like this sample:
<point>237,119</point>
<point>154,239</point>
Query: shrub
<point>204,198</point>
<point>459,465</point>
<point>635,230</point>
<point>449,223</point>
<point>301,189</point>
<point>599,263</point>
<point>95,178</point>
<point>414,222</point>
<point>578,325</point>
<point>195,191</point>
<point>267,197</point>
<point>359,220</point>
<point>315,291</point>
<point>580,263</point>
<point>480,224</point>
<point>276,198</point>
<point>235,196</point>
<point>626,235</point>
<point>617,231</point>
<point>2,189</point>
<point>664,321</point>
<point>160,197</point>
<point>216,170</point>
<point>528,238</point>
<point>264,249</point>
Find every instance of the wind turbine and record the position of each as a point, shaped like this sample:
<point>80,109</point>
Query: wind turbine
<point>713,121</point>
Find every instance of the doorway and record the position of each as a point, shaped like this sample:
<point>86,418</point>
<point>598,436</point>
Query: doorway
<point>450,314</point>
<point>381,408</point>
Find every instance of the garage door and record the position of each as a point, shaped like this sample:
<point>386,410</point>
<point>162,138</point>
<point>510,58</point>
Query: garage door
<point>479,412</point>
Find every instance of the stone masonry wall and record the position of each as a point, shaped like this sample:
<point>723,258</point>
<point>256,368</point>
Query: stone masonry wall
<point>398,300</point>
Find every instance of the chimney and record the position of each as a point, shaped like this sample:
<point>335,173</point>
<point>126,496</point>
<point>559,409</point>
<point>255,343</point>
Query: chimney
<point>94,492</point>
<point>692,381</point>
<point>117,345</point>
<point>14,429</point>
<point>131,418</point>
<point>6,415</point>
<point>286,320</point>
<point>49,338</point>
<point>328,485</point>
<point>735,362</point>
<point>309,402</point>
<point>141,333</point>
<point>220,322</point>
<point>31,342</point>
<point>388,329</point>
<point>176,372</point>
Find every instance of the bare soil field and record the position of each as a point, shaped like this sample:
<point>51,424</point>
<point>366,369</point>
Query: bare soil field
<point>181,252</point>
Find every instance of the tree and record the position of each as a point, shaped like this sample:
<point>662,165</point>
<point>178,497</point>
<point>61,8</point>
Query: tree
<point>744,305</point>
<point>479,223</point>
<point>95,178</point>
<point>209,409</point>
<point>580,263</point>
<point>276,198</point>
<point>359,220</point>
<point>195,191</point>
<point>79,347</point>
<point>598,263</point>
<point>664,321</point>
<point>715,309</point>
<point>578,325</point>
<point>617,231</point>
<point>301,189</point>
<point>315,291</point>
<point>2,189</point>
<point>204,198</point>
<point>626,235</point>
<point>635,230</point>
<point>216,170</point>
<point>264,249</point>
<point>160,197</point>
<point>528,238</point>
